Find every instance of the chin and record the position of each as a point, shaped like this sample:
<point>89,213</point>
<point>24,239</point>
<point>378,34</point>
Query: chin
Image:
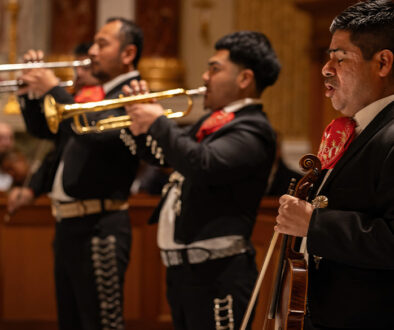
<point>207,106</point>
<point>340,108</point>
<point>348,112</point>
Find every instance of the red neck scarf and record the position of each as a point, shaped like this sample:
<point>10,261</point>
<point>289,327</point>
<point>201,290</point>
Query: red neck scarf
<point>90,94</point>
<point>214,122</point>
<point>336,139</point>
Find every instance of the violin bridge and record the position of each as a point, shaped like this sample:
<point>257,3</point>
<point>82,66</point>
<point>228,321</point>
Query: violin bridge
<point>223,312</point>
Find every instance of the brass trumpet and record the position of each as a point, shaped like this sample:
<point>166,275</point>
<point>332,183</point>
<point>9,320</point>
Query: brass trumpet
<point>44,65</point>
<point>55,112</point>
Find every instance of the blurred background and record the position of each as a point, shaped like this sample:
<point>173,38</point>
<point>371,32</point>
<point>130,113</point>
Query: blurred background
<point>179,38</point>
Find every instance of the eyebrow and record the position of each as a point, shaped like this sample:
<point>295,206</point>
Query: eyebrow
<point>213,62</point>
<point>330,51</point>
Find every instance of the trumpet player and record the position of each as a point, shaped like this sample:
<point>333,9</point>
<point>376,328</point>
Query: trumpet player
<point>88,180</point>
<point>221,164</point>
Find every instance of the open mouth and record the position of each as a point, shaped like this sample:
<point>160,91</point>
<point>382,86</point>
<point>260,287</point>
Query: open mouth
<point>330,90</point>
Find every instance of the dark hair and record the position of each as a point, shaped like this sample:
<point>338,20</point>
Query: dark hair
<point>82,48</point>
<point>371,25</point>
<point>252,50</point>
<point>130,34</point>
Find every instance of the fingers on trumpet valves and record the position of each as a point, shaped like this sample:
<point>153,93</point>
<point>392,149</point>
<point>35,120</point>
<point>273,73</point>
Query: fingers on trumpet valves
<point>126,90</point>
<point>144,87</point>
<point>135,87</point>
<point>139,87</point>
<point>33,55</point>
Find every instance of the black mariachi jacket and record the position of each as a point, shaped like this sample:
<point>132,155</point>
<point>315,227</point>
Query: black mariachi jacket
<point>95,165</point>
<point>354,283</point>
<point>225,174</point>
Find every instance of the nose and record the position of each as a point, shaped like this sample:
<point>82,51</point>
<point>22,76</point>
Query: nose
<point>93,50</point>
<point>205,76</point>
<point>328,70</point>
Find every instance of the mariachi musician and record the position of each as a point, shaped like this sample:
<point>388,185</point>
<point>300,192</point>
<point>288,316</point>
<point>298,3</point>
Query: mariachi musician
<point>221,163</point>
<point>351,242</point>
<point>89,182</point>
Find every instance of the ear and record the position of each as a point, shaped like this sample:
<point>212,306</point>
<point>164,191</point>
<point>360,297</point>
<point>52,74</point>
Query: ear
<point>245,78</point>
<point>385,59</point>
<point>128,54</point>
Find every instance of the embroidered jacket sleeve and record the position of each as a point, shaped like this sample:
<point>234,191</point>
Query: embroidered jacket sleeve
<point>236,149</point>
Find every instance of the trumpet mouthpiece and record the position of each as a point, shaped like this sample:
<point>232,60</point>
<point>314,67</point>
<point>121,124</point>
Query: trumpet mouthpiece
<point>197,91</point>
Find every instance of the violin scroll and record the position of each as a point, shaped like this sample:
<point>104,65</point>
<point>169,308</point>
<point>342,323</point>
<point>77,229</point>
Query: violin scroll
<point>312,166</point>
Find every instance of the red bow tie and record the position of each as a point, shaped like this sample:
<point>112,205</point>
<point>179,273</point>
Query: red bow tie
<point>336,139</point>
<point>214,122</point>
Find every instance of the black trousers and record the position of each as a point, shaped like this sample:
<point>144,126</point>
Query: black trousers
<point>91,257</point>
<point>191,290</point>
<point>308,325</point>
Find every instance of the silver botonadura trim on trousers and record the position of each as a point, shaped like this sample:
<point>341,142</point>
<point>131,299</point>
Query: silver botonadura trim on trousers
<point>223,313</point>
<point>107,282</point>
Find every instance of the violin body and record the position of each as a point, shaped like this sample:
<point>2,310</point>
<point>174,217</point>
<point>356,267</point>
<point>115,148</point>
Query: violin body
<point>288,300</point>
<point>291,290</point>
<point>292,303</point>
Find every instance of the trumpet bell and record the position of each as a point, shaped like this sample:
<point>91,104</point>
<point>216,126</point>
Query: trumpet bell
<point>52,113</point>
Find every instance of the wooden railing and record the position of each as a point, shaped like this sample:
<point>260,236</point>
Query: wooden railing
<point>27,299</point>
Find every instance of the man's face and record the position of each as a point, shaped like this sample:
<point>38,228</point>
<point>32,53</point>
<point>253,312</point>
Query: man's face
<point>221,80</point>
<point>83,75</point>
<point>351,81</point>
<point>6,138</point>
<point>105,53</point>
<point>17,167</point>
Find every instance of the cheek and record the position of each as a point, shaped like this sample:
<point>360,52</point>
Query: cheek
<point>104,53</point>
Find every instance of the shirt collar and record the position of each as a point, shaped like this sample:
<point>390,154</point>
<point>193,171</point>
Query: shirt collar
<point>109,85</point>
<point>367,114</point>
<point>239,104</point>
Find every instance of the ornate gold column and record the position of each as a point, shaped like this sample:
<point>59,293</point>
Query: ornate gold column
<point>160,64</point>
<point>73,22</point>
<point>12,106</point>
<point>288,28</point>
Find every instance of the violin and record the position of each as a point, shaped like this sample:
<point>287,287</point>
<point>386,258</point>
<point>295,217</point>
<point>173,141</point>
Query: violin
<point>288,301</point>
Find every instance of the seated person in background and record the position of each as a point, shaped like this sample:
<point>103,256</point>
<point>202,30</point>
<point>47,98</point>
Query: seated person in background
<point>6,144</point>
<point>15,164</point>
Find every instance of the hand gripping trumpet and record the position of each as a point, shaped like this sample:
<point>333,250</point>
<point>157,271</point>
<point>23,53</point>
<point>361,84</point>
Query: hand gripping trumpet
<point>55,112</point>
